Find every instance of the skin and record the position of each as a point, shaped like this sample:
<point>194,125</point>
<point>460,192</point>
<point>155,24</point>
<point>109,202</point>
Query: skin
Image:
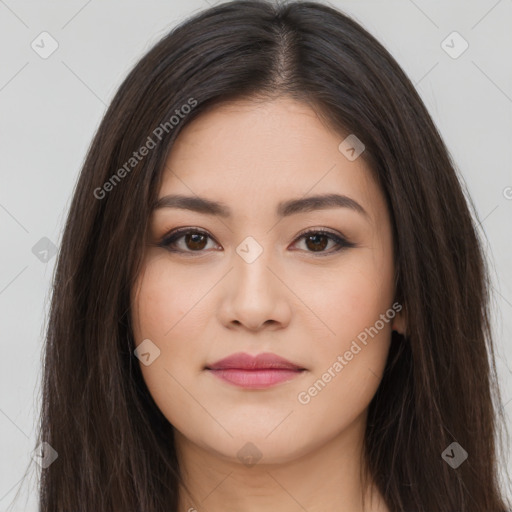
<point>306,306</point>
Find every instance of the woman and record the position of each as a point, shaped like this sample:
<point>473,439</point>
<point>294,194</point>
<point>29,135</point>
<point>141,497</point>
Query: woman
<point>270,294</point>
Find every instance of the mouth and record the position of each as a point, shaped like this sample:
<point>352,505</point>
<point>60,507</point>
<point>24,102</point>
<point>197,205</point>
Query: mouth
<point>259,372</point>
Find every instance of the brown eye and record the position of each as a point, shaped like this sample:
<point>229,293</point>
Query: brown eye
<point>317,242</point>
<point>186,240</point>
<point>195,241</point>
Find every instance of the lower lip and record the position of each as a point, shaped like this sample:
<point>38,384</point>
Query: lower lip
<point>256,379</point>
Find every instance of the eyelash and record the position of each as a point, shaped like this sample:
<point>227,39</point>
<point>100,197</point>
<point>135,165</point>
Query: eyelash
<point>175,235</point>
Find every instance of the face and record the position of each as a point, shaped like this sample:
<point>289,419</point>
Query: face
<point>309,282</point>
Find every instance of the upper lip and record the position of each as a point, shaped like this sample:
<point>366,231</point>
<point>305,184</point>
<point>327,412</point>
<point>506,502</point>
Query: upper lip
<point>243,361</point>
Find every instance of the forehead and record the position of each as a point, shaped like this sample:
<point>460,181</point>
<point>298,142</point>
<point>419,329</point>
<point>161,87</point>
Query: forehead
<point>247,153</point>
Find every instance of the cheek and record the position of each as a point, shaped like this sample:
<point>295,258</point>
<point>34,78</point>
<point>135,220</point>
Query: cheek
<point>162,302</point>
<point>349,364</point>
<point>362,331</point>
<point>351,297</point>
<point>354,304</point>
<point>168,311</point>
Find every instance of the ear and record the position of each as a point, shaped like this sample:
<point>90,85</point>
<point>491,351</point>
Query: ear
<point>399,324</point>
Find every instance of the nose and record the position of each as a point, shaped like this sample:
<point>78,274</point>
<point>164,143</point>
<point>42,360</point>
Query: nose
<point>255,295</point>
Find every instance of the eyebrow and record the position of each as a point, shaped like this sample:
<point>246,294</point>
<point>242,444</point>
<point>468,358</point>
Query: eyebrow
<point>284,208</point>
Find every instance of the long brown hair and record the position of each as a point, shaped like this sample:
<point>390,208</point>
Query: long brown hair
<point>115,449</point>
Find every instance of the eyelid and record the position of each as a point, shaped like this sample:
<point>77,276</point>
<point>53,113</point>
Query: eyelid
<point>322,230</point>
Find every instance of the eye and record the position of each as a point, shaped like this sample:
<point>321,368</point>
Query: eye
<point>196,240</point>
<point>317,240</point>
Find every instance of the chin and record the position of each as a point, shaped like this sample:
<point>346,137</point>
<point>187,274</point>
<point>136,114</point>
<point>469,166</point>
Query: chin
<point>250,447</point>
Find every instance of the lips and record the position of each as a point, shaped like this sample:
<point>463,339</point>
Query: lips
<point>265,361</point>
<point>255,372</point>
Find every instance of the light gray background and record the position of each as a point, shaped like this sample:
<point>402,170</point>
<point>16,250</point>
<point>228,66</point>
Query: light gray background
<point>51,107</point>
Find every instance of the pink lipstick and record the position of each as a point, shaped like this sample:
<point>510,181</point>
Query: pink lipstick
<point>255,372</point>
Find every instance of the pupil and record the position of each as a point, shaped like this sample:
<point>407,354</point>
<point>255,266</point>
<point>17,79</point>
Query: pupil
<point>315,237</point>
<point>195,240</point>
